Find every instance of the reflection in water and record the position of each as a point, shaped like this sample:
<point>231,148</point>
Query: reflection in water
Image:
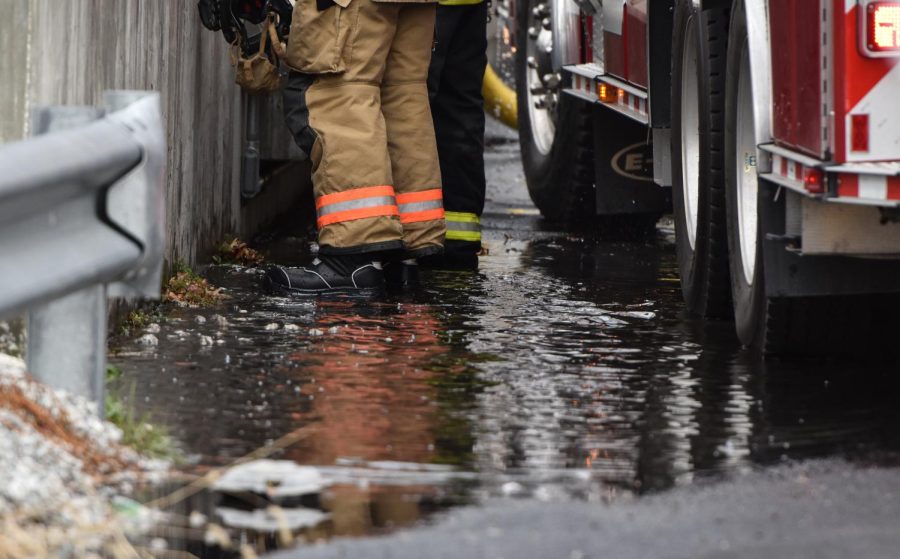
<point>370,376</point>
<point>562,369</point>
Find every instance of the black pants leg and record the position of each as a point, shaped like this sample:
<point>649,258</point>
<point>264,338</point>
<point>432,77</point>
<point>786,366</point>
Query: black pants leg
<point>457,106</point>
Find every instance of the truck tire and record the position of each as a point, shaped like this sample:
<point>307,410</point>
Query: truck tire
<point>742,191</point>
<point>699,53</point>
<point>846,325</point>
<point>774,327</point>
<point>559,167</point>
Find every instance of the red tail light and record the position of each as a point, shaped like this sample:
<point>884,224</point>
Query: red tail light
<point>880,28</point>
<point>814,180</point>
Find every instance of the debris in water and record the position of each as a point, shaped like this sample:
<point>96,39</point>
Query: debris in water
<point>237,252</point>
<point>272,478</point>
<point>196,519</point>
<point>149,340</point>
<point>267,520</point>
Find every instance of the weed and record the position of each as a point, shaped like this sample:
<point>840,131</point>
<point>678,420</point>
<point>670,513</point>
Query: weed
<point>113,373</point>
<point>181,267</point>
<point>137,320</point>
<point>186,288</point>
<point>139,433</point>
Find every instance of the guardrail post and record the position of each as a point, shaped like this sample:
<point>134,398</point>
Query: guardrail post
<point>67,344</point>
<point>67,337</point>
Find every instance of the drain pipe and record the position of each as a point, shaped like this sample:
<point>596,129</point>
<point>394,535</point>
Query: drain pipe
<point>250,162</point>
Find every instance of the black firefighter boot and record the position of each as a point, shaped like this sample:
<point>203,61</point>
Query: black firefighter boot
<point>402,274</point>
<point>457,255</point>
<point>337,275</point>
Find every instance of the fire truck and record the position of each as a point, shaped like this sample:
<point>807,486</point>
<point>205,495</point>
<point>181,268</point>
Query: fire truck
<point>771,128</point>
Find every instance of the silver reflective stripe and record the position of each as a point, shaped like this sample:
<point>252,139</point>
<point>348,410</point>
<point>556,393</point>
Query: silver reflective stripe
<point>372,202</point>
<point>414,207</point>
<point>462,226</point>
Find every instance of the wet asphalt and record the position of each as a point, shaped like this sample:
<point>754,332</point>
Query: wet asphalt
<point>555,403</point>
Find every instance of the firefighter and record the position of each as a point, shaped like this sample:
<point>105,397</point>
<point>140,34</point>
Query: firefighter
<point>457,106</point>
<point>357,102</point>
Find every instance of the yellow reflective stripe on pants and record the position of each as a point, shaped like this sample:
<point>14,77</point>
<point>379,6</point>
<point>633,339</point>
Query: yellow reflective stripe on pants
<point>459,2</point>
<point>462,226</point>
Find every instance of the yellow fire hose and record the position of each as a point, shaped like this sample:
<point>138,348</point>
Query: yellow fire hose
<point>499,99</point>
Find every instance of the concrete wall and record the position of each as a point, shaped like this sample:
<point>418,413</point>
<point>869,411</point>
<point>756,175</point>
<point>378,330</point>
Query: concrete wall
<point>68,52</point>
<point>13,69</point>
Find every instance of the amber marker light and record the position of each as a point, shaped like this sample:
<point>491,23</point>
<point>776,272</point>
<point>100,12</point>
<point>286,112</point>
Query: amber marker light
<point>607,93</point>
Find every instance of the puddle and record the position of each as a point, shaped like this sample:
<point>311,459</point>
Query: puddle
<point>563,369</point>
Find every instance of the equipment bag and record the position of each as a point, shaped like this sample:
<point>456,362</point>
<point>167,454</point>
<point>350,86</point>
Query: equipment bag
<point>257,74</point>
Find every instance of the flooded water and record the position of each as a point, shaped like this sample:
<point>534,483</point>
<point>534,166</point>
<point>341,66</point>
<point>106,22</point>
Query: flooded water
<point>564,368</point>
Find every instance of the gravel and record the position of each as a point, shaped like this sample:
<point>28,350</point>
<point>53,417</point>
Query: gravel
<point>63,468</point>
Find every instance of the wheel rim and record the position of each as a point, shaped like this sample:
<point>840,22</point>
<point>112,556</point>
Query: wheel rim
<point>745,168</point>
<point>541,81</point>
<point>690,132</point>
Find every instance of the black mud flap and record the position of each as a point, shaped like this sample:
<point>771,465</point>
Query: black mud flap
<point>623,159</point>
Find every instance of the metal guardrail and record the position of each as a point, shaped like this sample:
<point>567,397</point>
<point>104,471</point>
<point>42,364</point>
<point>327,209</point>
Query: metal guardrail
<point>82,217</point>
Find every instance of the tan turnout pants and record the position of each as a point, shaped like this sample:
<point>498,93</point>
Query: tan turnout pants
<point>358,104</point>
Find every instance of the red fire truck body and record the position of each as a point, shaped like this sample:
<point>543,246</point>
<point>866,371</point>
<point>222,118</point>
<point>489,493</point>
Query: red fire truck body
<point>776,123</point>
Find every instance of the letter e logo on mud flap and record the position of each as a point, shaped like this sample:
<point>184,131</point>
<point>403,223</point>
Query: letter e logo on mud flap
<point>634,162</point>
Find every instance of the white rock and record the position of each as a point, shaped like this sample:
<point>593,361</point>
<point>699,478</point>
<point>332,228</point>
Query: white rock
<point>152,329</point>
<point>315,332</point>
<point>205,340</point>
<point>291,328</point>
<point>11,365</point>
<point>272,327</point>
<point>200,319</point>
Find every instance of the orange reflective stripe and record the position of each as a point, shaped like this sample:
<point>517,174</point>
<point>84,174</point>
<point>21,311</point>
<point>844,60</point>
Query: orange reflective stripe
<point>427,215</point>
<point>425,205</point>
<point>356,203</point>
<point>423,196</point>
<point>354,194</point>
<point>362,213</point>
